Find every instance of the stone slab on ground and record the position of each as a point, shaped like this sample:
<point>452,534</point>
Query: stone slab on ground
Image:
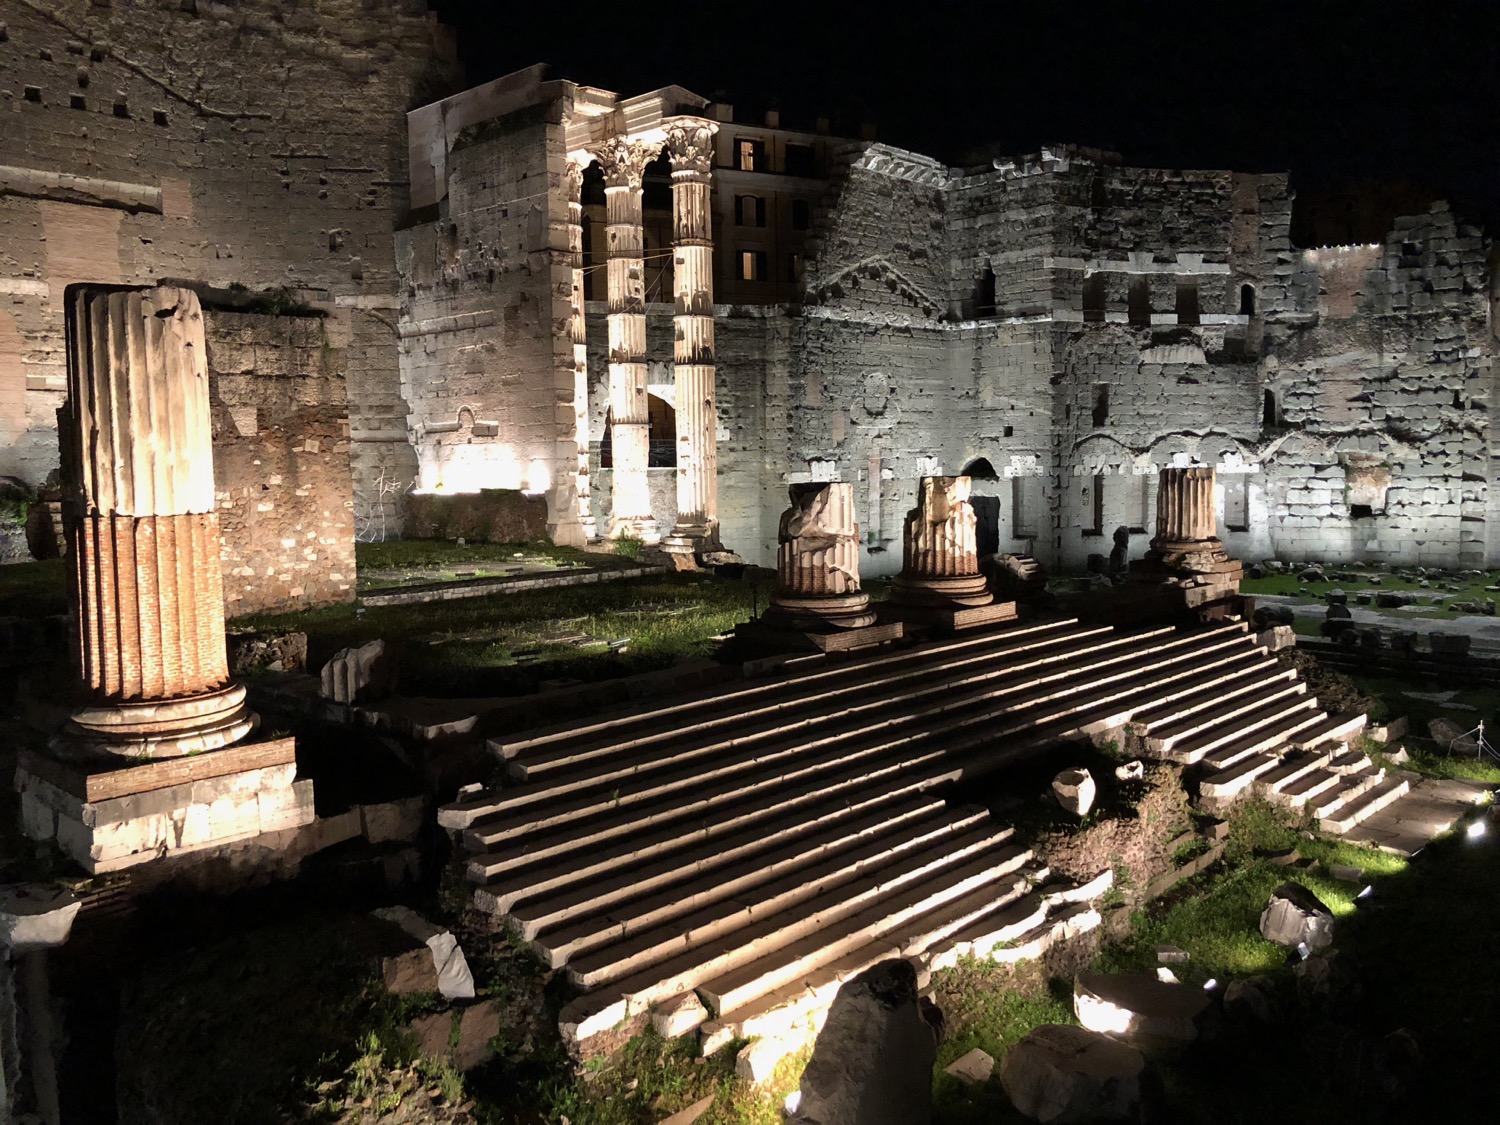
<point>36,917</point>
<point>1428,810</point>
<point>1064,1074</point>
<point>1294,916</point>
<point>1149,1014</point>
<point>691,1113</point>
<point>973,1068</point>
<point>484,587</point>
<point>453,978</point>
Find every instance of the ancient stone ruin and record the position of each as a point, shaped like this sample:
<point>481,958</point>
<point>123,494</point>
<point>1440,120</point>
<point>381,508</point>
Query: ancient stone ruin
<point>148,764</point>
<point>940,581</point>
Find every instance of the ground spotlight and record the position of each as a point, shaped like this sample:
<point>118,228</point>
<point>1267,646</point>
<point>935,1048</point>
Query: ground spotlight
<point>1476,830</point>
<point>1364,894</point>
<point>1210,984</point>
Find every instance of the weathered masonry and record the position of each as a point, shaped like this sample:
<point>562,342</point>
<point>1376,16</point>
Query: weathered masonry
<point>137,144</point>
<point>1058,328</point>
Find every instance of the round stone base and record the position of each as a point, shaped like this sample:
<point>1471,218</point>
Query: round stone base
<point>820,614</point>
<point>165,728</point>
<point>643,528</point>
<point>951,591</point>
<point>691,539</point>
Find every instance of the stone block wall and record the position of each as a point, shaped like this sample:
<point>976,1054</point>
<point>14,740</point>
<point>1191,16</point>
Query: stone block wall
<point>134,152</point>
<point>281,462</point>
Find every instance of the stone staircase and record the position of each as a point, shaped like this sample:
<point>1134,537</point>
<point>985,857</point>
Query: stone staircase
<point>757,844</point>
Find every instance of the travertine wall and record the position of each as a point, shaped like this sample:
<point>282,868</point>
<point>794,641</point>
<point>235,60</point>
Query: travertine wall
<point>259,144</point>
<point>1061,325</point>
<point>281,461</point>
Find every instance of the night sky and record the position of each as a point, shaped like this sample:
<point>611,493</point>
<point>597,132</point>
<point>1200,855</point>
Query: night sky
<point>1391,101</point>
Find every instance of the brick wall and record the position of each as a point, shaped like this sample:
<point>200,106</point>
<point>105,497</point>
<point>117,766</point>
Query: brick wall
<point>260,144</point>
<point>281,461</point>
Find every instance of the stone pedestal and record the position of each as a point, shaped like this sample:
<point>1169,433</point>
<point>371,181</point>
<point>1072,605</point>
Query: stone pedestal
<point>1185,553</point>
<point>690,142</point>
<point>940,584</point>
<point>818,596</point>
<point>624,163</point>
<point>143,536</point>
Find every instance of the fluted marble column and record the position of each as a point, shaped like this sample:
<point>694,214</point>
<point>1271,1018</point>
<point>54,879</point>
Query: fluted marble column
<point>941,553</point>
<point>690,143</point>
<point>582,489</point>
<point>1184,506</point>
<point>817,561</point>
<point>136,438</point>
<point>624,163</point>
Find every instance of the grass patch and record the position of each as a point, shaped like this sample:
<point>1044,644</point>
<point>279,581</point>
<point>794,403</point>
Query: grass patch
<point>409,562</point>
<point>504,644</point>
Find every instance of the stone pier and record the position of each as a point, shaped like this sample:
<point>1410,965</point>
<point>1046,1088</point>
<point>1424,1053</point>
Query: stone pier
<point>161,715</point>
<point>582,497</point>
<point>690,143</point>
<point>818,595</point>
<point>1186,552</point>
<point>624,163</point>
<point>940,583</point>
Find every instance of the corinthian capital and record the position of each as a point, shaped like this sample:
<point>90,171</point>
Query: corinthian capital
<point>690,143</point>
<point>624,161</point>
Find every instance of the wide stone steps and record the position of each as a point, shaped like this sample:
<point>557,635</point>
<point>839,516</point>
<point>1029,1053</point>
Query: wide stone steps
<point>1256,694</point>
<point>706,905</point>
<point>1347,789</point>
<point>863,709</point>
<point>1290,769</point>
<point>1227,742</point>
<point>818,693</point>
<point>759,845</point>
<point>1048,703</point>
<point>1365,805</point>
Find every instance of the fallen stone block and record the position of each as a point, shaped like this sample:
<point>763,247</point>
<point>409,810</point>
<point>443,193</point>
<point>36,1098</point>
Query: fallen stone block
<point>692,1113</point>
<point>1074,790</point>
<point>1448,644</point>
<point>872,1061</point>
<point>757,1061</point>
<point>973,1068</point>
<point>34,917</point>
<point>1276,638</point>
<point>1065,1074</point>
<point>1150,1014</point>
<point>1251,999</point>
<point>1131,771</point>
<point>1172,955</point>
<point>1295,916</point>
<point>1450,736</point>
<point>454,980</point>
<point>357,675</point>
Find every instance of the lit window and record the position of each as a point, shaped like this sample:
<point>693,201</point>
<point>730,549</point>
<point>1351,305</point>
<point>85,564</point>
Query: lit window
<point>750,155</point>
<point>752,265</point>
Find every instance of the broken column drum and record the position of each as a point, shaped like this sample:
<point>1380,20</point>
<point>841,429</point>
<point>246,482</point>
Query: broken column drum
<point>582,489</point>
<point>941,553</point>
<point>690,143</point>
<point>817,561</point>
<point>624,163</point>
<point>1185,538</point>
<point>138,480</point>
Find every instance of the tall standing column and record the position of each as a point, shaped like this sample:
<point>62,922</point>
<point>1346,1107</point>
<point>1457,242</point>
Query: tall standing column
<point>624,163</point>
<point>582,491</point>
<point>136,437</point>
<point>690,143</point>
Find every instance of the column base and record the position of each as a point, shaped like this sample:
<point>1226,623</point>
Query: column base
<point>692,539</point>
<point>946,592</point>
<point>162,728</point>
<point>644,528</point>
<point>106,816</point>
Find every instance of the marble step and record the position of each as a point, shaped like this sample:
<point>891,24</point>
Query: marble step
<point>1340,728</point>
<point>890,912</point>
<point>1292,768</point>
<point>537,756</point>
<point>824,929</point>
<point>710,903</point>
<point>732,862</point>
<point>620,728</point>
<point>1066,922</point>
<point>1272,691</point>
<point>1234,779</point>
<point>1255,672</point>
<point>1367,804</point>
<point>793,734</point>
<point>997,927</point>
<point>515,811</point>
<point>583,878</point>
<point>1349,787</point>
<point>1226,742</point>
<point>1309,787</point>
<point>1349,761</point>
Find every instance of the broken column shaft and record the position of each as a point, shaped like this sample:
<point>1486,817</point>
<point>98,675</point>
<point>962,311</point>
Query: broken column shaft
<point>817,561</point>
<point>624,163</point>
<point>690,143</point>
<point>139,502</point>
